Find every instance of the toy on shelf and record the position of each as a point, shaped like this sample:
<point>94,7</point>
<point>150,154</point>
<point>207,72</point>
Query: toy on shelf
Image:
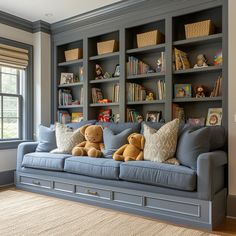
<point>218,59</point>
<point>201,61</point>
<point>98,72</point>
<point>200,91</point>
<point>150,97</point>
<point>105,100</point>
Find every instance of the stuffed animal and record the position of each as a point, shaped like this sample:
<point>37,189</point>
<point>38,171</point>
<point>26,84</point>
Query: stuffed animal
<point>132,151</point>
<point>93,145</point>
<point>200,91</point>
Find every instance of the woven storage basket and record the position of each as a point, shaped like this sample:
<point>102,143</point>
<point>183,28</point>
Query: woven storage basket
<point>73,54</point>
<point>107,47</point>
<point>149,38</point>
<point>202,28</point>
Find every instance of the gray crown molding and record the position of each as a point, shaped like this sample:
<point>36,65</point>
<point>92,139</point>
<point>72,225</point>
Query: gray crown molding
<point>26,25</point>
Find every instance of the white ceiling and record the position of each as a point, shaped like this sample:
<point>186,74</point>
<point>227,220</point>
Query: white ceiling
<point>34,10</point>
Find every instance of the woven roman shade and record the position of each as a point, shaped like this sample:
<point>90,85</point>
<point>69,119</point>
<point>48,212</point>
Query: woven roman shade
<point>13,56</point>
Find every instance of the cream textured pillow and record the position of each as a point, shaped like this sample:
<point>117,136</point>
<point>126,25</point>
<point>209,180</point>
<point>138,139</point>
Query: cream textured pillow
<point>160,145</point>
<point>66,138</point>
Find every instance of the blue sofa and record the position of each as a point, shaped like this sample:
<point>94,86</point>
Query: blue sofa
<point>176,193</point>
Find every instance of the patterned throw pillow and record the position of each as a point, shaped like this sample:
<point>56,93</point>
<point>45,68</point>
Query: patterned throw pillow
<point>160,145</point>
<point>66,138</point>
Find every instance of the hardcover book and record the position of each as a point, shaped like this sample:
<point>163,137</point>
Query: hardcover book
<point>214,117</point>
<point>183,90</point>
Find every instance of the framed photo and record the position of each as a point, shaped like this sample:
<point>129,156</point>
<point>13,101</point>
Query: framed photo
<point>117,71</point>
<point>153,116</point>
<point>66,78</point>
<point>196,121</point>
<point>214,117</point>
<point>183,90</point>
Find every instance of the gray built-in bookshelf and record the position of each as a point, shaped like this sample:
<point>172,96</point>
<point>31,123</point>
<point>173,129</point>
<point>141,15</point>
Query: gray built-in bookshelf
<point>170,21</point>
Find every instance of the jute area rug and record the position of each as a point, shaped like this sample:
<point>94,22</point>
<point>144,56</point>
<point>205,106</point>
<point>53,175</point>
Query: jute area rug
<point>24,213</point>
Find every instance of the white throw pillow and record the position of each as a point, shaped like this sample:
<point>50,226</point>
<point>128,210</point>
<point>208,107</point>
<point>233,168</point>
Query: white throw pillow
<point>160,145</point>
<point>66,138</point>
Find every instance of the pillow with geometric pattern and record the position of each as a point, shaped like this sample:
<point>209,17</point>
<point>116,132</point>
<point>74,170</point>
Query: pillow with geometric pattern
<point>160,145</point>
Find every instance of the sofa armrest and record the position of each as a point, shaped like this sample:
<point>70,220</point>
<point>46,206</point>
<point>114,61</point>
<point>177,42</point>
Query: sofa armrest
<point>210,173</point>
<point>23,149</point>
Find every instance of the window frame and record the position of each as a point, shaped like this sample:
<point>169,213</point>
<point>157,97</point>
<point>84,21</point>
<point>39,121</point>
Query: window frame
<point>26,109</point>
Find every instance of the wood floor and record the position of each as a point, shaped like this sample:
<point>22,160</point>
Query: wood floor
<point>25,213</point>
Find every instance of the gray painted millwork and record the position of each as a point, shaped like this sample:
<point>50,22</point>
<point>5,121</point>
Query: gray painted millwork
<point>6,178</point>
<point>188,211</point>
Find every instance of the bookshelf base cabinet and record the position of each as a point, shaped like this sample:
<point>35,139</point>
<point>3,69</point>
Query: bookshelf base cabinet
<point>139,80</point>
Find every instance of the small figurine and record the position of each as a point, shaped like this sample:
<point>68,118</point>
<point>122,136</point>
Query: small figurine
<point>201,61</point>
<point>140,119</point>
<point>159,65</point>
<point>107,75</point>
<point>200,91</point>
<point>150,97</point>
<point>98,72</point>
<point>218,60</point>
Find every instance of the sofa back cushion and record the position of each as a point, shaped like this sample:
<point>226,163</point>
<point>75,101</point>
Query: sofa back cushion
<point>46,138</point>
<point>114,141</point>
<point>217,137</point>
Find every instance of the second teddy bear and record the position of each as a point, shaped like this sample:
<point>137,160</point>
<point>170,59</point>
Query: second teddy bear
<point>94,142</point>
<point>132,151</point>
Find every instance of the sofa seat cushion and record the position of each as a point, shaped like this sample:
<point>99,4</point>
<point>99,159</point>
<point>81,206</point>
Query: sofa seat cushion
<point>159,174</point>
<point>46,161</point>
<point>95,167</point>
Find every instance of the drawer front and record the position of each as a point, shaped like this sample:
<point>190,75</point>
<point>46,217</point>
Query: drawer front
<point>35,182</point>
<point>93,192</point>
<point>128,198</point>
<point>69,188</point>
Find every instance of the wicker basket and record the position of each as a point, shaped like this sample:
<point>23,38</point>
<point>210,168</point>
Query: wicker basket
<point>107,47</point>
<point>149,38</point>
<point>73,54</point>
<point>198,29</point>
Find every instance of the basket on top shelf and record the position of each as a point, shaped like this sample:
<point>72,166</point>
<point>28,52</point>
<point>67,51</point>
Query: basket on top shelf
<point>73,54</point>
<point>107,47</point>
<point>150,38</point>
<point>198,29</point>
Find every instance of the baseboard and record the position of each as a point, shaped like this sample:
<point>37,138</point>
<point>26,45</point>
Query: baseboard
<point>231,206</point>
<point>7,178</point>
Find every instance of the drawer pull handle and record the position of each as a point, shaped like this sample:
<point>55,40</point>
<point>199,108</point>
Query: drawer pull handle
<point>36,182</point>
<point>92,192</point>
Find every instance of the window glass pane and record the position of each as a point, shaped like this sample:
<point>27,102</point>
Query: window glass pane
<point>10,128</point>
<point>9,83</point>
<point>0,128</point>
<point>0,106</point>
<point>9,70</point>
<point>10,107</point>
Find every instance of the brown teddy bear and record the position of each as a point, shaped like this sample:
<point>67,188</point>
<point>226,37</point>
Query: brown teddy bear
<point>200,91</point>
<point>93,145</point>
<point>132,151</point>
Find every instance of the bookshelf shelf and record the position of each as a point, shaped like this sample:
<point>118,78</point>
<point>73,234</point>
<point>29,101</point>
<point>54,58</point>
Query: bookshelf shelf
<point>205,99</point>
<point>104,80</point>
<point>145,76</point>
<point>148,49</point>
<point>70,63</point>
<point>199,70</point>
<point>200,40</point>
<point>70,106</point>
<point>106,56</point>
<point>146,102</point>
<point>70,85</point>
<point>104,104</point>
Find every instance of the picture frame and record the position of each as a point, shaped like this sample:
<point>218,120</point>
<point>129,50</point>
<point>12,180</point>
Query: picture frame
<point>153,116</point>
<point>183,90</point>
<point>117,71</point>
<point>214,117</point>
<point>196,121</point>
<point>66,78</point>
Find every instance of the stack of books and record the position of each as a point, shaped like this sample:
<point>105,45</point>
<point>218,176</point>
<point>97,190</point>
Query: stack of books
<point>63,117</point>
<point>181,60</point>
<point>115,92</point>
<point>133,116</point>
<point>217,90</point>
<point>161,90</point>
<point>135,92</point>
<point>178,112</point>
<point>136,67</point>
<point>64,97</point>
<point>96,95</point>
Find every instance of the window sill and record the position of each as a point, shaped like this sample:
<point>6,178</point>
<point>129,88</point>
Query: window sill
<point>11,144</point>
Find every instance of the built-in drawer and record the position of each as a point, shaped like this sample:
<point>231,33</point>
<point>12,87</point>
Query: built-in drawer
<point>35,182</point>
<point>128,198</point>
<point>93,192</point>
<point>64,187</point>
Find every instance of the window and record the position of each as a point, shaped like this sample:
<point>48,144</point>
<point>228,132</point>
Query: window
<point>10,103</point>
<point>16,93</point>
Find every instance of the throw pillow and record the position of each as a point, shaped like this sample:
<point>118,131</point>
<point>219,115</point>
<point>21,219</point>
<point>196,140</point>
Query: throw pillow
<point>67,138</point>
<point>47,139</point>
<point>160,145</point>
<point>114,141</point>
<point>191,144</point>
